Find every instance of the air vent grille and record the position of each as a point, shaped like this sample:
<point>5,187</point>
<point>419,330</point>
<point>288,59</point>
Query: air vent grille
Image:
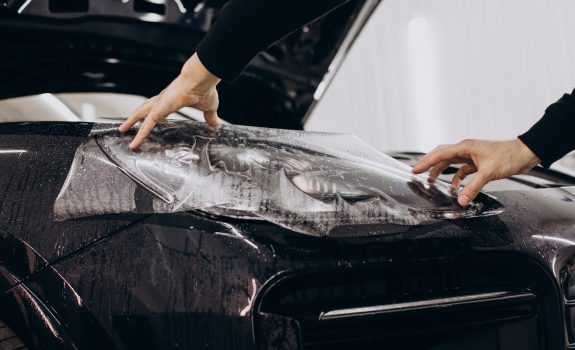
<point>409,306</point>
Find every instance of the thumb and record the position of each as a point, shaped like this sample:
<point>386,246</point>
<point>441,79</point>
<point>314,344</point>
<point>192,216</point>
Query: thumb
<point>472,189</point>
<point>211,118</point>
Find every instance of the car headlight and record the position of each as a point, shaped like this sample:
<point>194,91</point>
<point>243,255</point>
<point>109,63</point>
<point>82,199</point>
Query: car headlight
<point>308,182</point>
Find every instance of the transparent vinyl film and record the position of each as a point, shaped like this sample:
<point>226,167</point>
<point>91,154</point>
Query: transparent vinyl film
<point>305,181</point>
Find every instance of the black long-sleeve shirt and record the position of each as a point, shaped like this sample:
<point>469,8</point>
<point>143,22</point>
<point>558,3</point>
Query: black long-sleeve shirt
<point>553,136</point>
<point>246,27</point>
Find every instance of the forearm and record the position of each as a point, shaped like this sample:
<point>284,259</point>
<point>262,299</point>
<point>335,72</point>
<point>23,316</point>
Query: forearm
<point>553,135</point>
<point>246,27</point>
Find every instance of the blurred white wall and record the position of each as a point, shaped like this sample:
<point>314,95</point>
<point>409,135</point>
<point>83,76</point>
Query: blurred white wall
<point>425,72</point>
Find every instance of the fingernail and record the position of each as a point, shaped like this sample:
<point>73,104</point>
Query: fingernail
<point>463,200</point>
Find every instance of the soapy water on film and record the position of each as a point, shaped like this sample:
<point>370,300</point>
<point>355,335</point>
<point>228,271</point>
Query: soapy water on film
<point>305,181</point>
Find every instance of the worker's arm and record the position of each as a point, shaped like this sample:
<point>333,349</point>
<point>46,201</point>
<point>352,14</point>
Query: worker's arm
<point>553,136</point>
<point>246,27</point>
<point>242,30</point>
<point>547,141</point>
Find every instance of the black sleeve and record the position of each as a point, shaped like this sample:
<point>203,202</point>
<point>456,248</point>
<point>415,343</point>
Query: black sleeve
<point>553,136</point>
<point>246,27</point>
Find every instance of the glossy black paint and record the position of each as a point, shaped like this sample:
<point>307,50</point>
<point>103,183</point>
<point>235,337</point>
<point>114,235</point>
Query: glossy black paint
<point>191,281</point>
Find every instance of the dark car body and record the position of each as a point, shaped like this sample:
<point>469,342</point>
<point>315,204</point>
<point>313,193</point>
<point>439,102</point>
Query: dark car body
<point>191,280</point>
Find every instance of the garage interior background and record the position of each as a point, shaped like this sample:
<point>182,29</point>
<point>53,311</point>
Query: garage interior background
<point>427,72</point>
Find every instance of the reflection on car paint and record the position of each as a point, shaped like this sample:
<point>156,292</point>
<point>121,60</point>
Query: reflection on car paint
<point>305,181</point>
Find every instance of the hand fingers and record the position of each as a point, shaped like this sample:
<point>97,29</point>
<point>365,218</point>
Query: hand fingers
<point>139,114</point>
<point>471,190</point>
<point>143,132</point>
<point>170,100</point>
<point>159,112</point>
<point>211,118</point>
<point>440,154</point>
<point>418,167</point>
<point>437,170</point>
<point>462,173</point>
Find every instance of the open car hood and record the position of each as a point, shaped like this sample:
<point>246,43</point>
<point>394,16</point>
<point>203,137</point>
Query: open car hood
<point>112,42</point>
<point>308,182</point>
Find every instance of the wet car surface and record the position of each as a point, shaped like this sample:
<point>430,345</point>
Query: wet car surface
<point>114,272</point>
<point>105,279</point>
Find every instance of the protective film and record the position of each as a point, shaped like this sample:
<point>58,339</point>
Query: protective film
<point>308,182</point>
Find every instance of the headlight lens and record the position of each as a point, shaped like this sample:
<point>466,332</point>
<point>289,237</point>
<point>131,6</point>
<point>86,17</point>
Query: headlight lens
<point>308,182</point>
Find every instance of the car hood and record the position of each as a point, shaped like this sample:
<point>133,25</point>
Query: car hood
<point>112,43</point>
<point>92,253</point>
<point>37,159</point>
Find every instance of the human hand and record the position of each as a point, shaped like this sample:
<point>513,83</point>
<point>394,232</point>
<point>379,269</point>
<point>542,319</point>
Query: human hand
<point>194,87</point>
<point>489,160</point>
